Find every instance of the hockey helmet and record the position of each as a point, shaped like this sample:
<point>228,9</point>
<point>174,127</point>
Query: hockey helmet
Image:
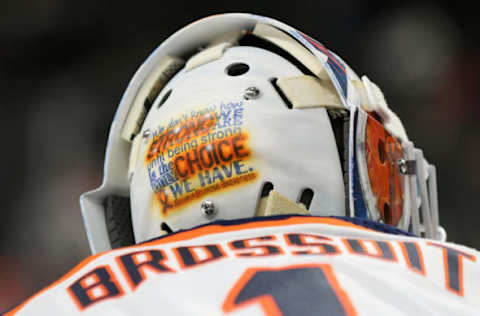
<point>237,116</point>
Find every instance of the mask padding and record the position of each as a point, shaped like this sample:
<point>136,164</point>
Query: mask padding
<point>119,221</point>
<point>255,41</point>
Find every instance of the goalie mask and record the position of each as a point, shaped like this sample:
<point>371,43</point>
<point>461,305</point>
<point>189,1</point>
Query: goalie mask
<point>239,116</point>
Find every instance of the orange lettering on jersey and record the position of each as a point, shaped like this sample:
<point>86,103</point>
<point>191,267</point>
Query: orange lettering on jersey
<point>383,249</point>
<point>191,256</point>
<point>97,285</point>
<point>413,256</point>
<point>311,245</point>
<point>134,264</point>
<point>251,248</point>
<point>453,267</point>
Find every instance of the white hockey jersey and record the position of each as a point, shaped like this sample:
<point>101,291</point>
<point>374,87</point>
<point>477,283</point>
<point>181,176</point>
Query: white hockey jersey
<point>285,265</point>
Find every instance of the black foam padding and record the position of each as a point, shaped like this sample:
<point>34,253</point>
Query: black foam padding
<point>119,221</point>
<point>341,128</point>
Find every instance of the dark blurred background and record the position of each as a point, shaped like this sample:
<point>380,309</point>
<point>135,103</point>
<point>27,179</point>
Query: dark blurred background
<point>65,64</point>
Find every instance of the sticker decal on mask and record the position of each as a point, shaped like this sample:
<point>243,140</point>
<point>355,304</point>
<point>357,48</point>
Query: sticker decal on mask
<point>197,153</point>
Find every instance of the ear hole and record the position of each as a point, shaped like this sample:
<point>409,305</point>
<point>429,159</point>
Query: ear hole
<point>306,197</point>
<point>164,98</point>
<point>267,187</point>
<point>285,100</point>
<point>237,69</point>
<point>166,228</point>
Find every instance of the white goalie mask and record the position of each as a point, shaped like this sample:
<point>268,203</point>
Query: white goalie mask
<point>237,116</point>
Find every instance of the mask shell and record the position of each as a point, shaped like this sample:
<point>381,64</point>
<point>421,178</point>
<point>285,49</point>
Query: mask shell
<point>207,142</point>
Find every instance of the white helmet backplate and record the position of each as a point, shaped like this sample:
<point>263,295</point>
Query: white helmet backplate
<point>207,142</point>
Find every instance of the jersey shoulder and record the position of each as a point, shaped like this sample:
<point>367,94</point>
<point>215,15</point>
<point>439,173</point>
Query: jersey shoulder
<point>299,246</point>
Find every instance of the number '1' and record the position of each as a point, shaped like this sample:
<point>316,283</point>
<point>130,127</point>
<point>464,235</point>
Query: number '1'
<point>306,289</point>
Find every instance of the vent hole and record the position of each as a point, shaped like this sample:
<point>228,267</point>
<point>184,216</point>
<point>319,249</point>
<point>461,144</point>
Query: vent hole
<point>267,187</point>
<point>381,151</point>
<point>237,69</point>
<point>164,98</point>
<point>306,197</point>
<point>387,214</point>
<point>166,228</point>
<point>280,93</point>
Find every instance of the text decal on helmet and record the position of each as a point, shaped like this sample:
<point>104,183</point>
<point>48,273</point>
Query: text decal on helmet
<point>197,153</point>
